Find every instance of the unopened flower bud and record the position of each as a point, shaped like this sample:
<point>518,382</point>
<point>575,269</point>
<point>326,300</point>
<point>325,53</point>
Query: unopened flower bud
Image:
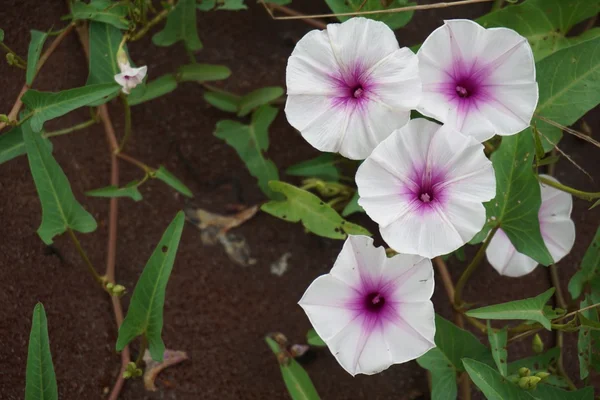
<point>529,382</point>
<point>524,371</point>
<point>537,345</point>
<point>514,379</point>
<point>118,290</point>
<point>542,375</point>
<point>122,58</point>
<point>10,59</point>
<point>132,371</point>
<point>4,118</point>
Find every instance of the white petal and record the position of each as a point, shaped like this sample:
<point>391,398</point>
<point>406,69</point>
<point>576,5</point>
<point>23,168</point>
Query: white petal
<point>120,79</point>
<point>140,73</point>
<point>325,302</point>
<point>411,278</point>
<point>413,336</point>
<point>429,234</point>
<point>312,65</point>
<point>559,237</point>
<point>556,204</point>
<point>505,259</point>
<point>354,42</point>
<point>318,120</point>
<point>396,80</point>
<point>359,262</point>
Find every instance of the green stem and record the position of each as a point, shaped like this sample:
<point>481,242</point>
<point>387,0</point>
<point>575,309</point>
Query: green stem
<point>143,347</point>
<point>73,128</point>
<point>464,278</point>
<point>559,363</point>
<point>497,5</point>
<point>157,18</point>
<point>127,123</point>
<point>589,196</point>
<point>85,258</point>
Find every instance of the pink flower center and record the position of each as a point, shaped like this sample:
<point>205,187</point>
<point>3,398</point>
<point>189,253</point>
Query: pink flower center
<point>374,302</point>
<point>353,87</point>
<point>425,197</point>
<point>357,91</point>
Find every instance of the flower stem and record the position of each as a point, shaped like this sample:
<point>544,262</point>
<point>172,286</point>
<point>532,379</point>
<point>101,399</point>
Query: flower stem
<point>127,109</point>
<point>73,128</point>
<point>464,278</point>
<point>389,10</point>
<point>589,196</point>
<point>135,162</point>
<point>85,258</point>
<point>559,363</point>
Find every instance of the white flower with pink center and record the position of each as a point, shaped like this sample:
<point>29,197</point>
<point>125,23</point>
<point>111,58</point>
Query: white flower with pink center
<point>350,86</point>
<point>479,81</point>
<point>130,77</point>
<point>373,311</point>
<point>425,185</point>
<point>556,226</point>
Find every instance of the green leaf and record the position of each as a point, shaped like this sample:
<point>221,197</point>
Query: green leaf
<point>493,385</point>
<point>40,379</point>
<point>250,141</point>
<point>590,267</point>
<point>60,209</point>
<point>227,5</point>
<point>223,101</point>
<point>587,349</point>
<point>170,179</point>
<point>130,190</point>
<point>571,87</point>
<point>545,392</point>
<point>316,216</point>
<point>1,35</point>
<point>258,98</point>
<point>296,380</point>
<point>105,11</point>
<point>596,204</point>
<point>12,145</point>
<point>518,197</point>
<point>33,54</point>
<point>545,23</point>
<point>45,106</point>
<point>153,89</point>
<point>352,206</point>
<point>443,374</point>
<point>145,313</point>
<point>322,167</point>
<point>203,72</point>
<point>180,26</point>
<point>444,361</point>
<point>498,340</point>
<point>527,309</point>
<point>393,20</point>
<point>314,339</point>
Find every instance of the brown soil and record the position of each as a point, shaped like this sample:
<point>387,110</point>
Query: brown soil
<point>215,310</point>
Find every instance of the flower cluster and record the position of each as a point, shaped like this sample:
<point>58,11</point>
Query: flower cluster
<point>351,90</point>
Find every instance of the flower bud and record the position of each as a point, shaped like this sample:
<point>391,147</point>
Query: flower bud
<point>122,58</point>
<point>118,290</point>
<point>529,382</point>
<point>132,371</point>
<point>524,371</point>
<point>4,118</point>
<point>10,59</point>
<point>537,345</point>
<point>542,375</point>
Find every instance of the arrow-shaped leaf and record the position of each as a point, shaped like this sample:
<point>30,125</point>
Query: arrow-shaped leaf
<point>316,216</point>
<point>60,209</point>
<point>493,385</point>
<point>104,11</point>
<point>145,314</point>
<point>296,380</point>
<point>590,267</point>
<point>518,197</point>
<point>130,190</point>
<point>45,106</point>
<point>250,141</point>
<point>498,340</point>
<point>527,309</point>
<point>33,54</point>
<point>181,26</point>
<point>40,379</point>
<point>322,167</point>
<point>153,89</point>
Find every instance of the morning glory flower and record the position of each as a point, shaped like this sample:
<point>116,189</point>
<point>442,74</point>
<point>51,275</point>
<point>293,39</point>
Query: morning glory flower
<point>130,77</point>
<point>425,185</point>
<point>556,226</point>
<point>479,81</point>
<point>350,86</point>
<point>373,311</point>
